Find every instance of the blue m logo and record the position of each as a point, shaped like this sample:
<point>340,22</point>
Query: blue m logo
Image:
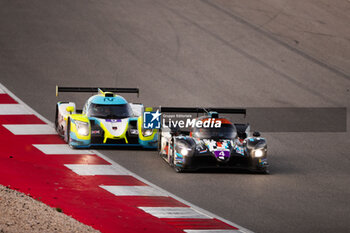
<point>151,120</point>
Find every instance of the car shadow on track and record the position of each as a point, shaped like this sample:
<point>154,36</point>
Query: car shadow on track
<point>224,171</point>
<point>279,168</point>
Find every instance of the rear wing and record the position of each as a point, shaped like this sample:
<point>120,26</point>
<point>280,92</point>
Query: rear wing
<point>97,89</point>
<point>203,110</point>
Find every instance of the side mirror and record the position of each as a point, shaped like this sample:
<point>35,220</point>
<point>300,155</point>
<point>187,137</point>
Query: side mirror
<point>256,134</point>
<point>70,109</point>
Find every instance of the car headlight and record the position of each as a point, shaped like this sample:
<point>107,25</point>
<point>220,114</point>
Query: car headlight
<point>184,151</point>
<point>82,128</point>
<point>147,132</point>
<point>183,148</point>
<point>259,153</point>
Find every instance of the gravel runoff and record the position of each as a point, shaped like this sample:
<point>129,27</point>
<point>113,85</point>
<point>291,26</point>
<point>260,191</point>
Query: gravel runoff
<point>21,213</point>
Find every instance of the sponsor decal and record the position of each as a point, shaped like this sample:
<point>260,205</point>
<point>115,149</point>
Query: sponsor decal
<point>222,154</point>
<point>95,131</point>
<point>113,120</point>
<point>152,120</point>
<point>239,149</point>
<point>193,123</point>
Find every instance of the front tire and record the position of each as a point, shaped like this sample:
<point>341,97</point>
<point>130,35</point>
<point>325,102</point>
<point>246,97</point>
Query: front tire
<point>264,171</point>
<point>68,132</point>
<point>56,118</point>
<point>57,126</point>
<point>178,169</point>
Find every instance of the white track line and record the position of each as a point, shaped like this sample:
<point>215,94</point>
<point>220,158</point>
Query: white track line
<point>212,231</point>
<point>133,190</point>
<point>93,170</point>
<point>2,91</point>
<point>32,111</point>
<point>174,212</point>
<point>60,149</point>
<point>241,229</point>
<point>14,109</point>
<point>26,129</point>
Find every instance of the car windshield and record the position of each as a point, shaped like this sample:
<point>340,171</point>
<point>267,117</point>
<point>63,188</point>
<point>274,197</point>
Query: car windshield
<point>109,111</point>
<point>226,131</point>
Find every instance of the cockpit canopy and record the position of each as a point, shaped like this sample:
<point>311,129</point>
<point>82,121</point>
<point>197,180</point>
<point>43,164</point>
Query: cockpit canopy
<point>109,111</point>
<point>226,131</point>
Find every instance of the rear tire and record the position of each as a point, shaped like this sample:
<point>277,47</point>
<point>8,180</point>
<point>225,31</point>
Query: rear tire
<point>58,130</point>
<point>178,169</point>
<point>56,118</point>
<point>68,132</point>
<point>262,172</point>
<point>266,172</point>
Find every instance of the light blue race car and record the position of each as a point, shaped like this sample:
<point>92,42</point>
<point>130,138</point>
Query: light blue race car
<point>106,119</point>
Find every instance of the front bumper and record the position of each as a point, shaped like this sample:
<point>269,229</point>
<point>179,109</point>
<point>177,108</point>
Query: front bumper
<point>235,162</point>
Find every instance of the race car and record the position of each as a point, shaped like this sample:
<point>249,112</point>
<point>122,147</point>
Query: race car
<point>106,119</point>
<point>221,144</point>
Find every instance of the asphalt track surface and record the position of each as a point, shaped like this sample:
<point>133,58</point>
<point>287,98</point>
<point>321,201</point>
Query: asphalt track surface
<point>270,53</point>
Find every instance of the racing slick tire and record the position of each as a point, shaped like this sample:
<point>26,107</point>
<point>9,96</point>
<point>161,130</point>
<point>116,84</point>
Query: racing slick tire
<point>178,169</point>
<point>68,133</point>
<point>56,118</point>
<point>262,171</point>
<point>265,172</point>
<point>58,129</point>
